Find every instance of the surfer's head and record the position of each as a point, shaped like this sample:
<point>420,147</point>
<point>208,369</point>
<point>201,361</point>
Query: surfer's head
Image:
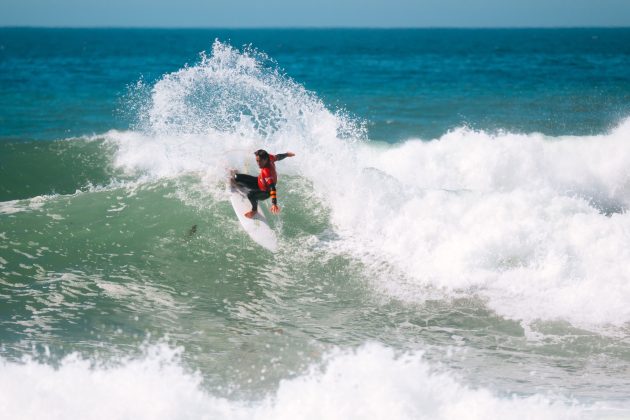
<point>262,158</point>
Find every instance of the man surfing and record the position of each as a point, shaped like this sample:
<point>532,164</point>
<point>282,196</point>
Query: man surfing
<point>264,186</point>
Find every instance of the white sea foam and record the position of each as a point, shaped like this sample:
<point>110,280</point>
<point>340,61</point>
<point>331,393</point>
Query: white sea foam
<point>535,225</point>
<point>18,206</point>
<point>369,383</point>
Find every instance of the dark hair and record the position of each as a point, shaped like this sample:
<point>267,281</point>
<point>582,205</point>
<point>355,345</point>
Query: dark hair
<point>262,154</point>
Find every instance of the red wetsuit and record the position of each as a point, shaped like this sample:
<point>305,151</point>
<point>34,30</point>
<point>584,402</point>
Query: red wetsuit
<point>268,176</point>
<point>264,186</point>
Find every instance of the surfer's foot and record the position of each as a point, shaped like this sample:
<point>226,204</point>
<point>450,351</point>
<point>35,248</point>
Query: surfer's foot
<point>250,214</point>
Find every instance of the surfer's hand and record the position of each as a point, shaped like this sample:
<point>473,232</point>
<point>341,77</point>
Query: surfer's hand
<point>290,154</point>
<point>275,209</point>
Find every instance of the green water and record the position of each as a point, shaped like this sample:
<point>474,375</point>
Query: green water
<point>108,270</point>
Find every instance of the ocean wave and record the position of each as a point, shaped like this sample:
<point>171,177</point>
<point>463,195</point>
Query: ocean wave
<point>534,225</point>
<point>370,382</point>
<point>39,202</point>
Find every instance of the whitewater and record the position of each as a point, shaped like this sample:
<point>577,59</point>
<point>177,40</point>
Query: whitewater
<point>478,274</point>
<point>531,223</point>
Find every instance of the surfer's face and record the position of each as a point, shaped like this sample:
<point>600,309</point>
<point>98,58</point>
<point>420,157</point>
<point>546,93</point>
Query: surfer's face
<point>261,161</point>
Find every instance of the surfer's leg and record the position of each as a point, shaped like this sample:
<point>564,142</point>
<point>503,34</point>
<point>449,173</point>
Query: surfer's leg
<point>255,195</point>
<point>247,181</point>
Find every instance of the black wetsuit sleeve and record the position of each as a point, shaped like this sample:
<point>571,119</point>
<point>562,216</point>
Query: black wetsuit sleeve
<point>272,194</point>
<point>281,156</point>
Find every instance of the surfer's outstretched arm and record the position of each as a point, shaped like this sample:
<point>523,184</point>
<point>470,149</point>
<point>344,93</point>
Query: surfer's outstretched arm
<point>281,156</point>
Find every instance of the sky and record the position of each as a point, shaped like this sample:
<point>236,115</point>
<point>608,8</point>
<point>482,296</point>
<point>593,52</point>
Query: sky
<point>314,13</point>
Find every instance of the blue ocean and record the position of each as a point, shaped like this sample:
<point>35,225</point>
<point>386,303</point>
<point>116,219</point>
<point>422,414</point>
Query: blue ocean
<point>454,240</point>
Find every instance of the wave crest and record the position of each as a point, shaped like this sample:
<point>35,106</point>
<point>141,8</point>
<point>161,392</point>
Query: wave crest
<point>534,225</point>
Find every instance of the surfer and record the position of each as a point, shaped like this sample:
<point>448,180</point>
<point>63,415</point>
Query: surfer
<point>264,186</point>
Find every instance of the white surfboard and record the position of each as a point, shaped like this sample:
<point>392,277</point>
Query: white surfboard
<point>257,228</point>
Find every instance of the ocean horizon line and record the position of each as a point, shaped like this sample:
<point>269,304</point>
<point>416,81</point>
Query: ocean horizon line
<point>323,27</point>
